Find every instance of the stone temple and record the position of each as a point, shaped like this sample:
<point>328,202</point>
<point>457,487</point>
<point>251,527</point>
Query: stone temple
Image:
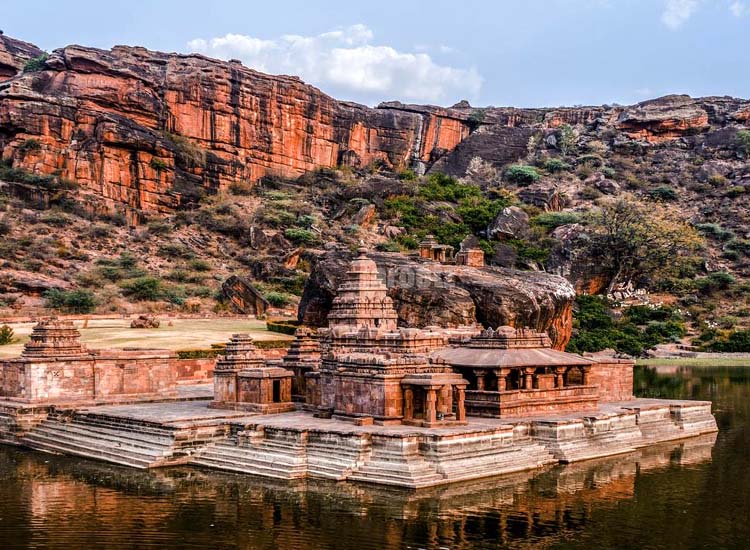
<point>362,400</point>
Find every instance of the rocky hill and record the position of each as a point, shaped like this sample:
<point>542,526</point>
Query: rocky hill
<point>195,169</point>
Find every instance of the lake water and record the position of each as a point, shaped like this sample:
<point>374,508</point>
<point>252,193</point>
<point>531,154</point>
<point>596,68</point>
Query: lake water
<point>692,494</point>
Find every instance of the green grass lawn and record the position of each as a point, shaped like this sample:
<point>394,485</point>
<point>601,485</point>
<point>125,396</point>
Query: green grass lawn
<point>184,334</point>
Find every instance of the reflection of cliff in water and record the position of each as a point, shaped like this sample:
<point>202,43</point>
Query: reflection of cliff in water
<point>73,503</point>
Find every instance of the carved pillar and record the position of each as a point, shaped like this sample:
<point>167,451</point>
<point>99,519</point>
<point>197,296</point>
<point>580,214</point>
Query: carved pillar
<point>408,404</point>
<point>560,377</point>
<point>460,404</point>
<point>430,410</point>
<point>479,375</point>
<point>502,379</point>
<point>586,373</point>
<point>528,381</point>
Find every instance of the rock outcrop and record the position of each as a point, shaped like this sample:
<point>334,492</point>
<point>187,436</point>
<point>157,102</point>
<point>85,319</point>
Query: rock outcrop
<point>14,54</point>
<point>144,131</point>
<point>429,293</point>
<point>151,130</point>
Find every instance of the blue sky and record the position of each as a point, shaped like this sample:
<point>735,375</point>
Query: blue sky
<point>505,52</point>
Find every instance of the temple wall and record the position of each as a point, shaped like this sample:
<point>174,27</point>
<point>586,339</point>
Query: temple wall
<point>614,378</point>
<point>110,375</point>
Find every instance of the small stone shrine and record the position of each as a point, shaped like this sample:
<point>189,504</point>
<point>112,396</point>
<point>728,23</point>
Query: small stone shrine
<point>243,379</point>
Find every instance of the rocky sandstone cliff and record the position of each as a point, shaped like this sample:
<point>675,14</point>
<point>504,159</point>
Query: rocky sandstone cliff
<point>148,131</point>
<point>429,293</point>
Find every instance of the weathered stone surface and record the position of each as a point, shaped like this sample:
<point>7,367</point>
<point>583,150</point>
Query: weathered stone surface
<point>33,283</point>
<point>567,260</point>
<point>243,296</point>
<point>447,295</point>
<point>14,54</point>
<point>664,118</point>
<point>510,223</point>
<point>150,130</point>
<point>145,321</point>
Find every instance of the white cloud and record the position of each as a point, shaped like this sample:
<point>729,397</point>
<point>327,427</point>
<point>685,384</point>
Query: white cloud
<point>677,12</point>
<point>346,63</point>
<point>739,9</point>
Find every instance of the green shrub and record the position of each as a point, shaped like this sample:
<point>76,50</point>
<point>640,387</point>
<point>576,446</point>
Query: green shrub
<point>143,288</point>
<point>555,165</point>
<point>6,335</point>
<point>737,342</point>
<point>596,330</point>
<point>715,231</point>
<point>719,280</point>
<point>717,180</point>
<point>407,175</point>
<point>158,164</point>
<point>30,144</point>
<point>388,246</point>
<point>5,227</point>
<point>479,212</point>
<point>609,172</point>
<point>306,221</point>
<point>36,64</point>
<point>241,188</point>
<point>552,220</point>
<point>742,142</point>
<point>74,301</point>
<point>441,187</point>
<point>663,193</point>
<point>522,174</point>
<point>590,160</point>
<point>277,299</point>
<point>735,191</point>
<point>283,327</point>
<point>200,265</point>
<point>300,236</point>
<point>159,227</point>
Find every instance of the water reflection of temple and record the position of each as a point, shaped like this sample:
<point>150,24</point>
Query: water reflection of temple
<point>71,502</point>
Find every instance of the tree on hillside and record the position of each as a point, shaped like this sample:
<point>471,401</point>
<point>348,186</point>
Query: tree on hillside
<point>636,241</point>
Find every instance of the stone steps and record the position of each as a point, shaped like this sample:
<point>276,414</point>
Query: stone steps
<point>126,436</point>
<point>75,432</point>
<point>140,427</point>
<point>93,451</point>
<point>261,459</point>
<point>84,439</point>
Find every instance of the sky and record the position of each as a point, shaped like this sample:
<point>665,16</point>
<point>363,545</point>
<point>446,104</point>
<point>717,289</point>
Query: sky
<point>524,53</point>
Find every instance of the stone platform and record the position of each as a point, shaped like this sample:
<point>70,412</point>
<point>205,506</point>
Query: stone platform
<point>297,445</point>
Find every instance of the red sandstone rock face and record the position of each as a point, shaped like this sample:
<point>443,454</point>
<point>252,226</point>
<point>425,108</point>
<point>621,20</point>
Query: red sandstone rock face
<point>147,129</point>
<point>13,56</point>
<point>664,119</point>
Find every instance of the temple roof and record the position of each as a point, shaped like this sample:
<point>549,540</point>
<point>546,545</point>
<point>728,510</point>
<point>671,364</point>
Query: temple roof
<point>504,357</point>
<point>508,347</point>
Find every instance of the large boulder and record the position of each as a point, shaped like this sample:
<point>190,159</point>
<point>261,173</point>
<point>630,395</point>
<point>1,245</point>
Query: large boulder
<point>510,223</point>
<point>429,293</point>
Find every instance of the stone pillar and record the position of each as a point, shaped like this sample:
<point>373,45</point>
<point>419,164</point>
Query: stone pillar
<point>408,404</point>
<point>586,372</point>
<point>502,379</point>
<point>460,404</point>
<point>430,409</point>
<point>560,377</point>
<point>528,381</point>
<point>479,375</point>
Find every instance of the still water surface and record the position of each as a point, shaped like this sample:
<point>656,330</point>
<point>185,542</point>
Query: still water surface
<point>692,494</point>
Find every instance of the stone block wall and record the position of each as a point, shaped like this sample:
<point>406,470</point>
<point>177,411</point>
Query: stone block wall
<point>614,377</point>
<point>103,376</point>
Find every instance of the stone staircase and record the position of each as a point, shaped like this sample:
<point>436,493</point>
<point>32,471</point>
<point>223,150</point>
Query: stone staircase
<point>128,444</point>
<point>397,461</point>
<point>253,452</point>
